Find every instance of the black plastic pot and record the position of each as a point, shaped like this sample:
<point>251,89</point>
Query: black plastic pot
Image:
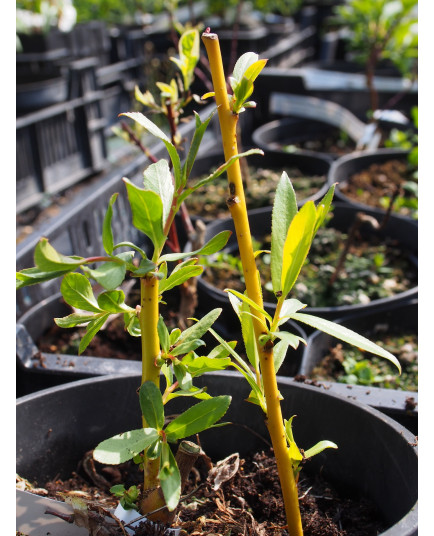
<point>309,119</point>
<point>400,229</point>
<point>308,163</point>
<point>344,168</point>
<point>57,426</point>
<point>395,403</point>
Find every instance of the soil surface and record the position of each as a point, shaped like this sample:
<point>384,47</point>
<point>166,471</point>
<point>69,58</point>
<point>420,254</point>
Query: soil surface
<point>382,183</point>
<point>260,188</point>
<point>332,141</point>
<point>372,270</point>
<point>347,364</point>
<point>247,500</point>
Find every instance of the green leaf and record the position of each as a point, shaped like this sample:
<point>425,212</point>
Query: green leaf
<point>163,335</point>
<point>91,330</point>
<point>158,179</point>
<point>158,133</point>
<point>73,320</point>
<point>242,309</point>
<point>123,447</point>
<point>49,260</point>
<point>346,335</point>
<point>170,477</point>
<point>186,347</point>
<point>179,276</point>
<point>107,234</point>
<point>197,418</point>
<point>113,301</point>
<point>323,207</point>
<point>281,348</point>
<point>132,246</point>
<point>132,324</point>
<point>34,276</point>
<point>197,366</point>
<point>216,243</point>
<point>200,327</point>
<point>284,210</point>
<point>77,292</point>
<point>221,169</point>
<point>250,302</point>
<point>183,376</point>
<point>109,275</point>
<point>297,245</point>
<point>195,144</point>
<point>289,307</point>
<point>147,209</point>
<point>319,447</point>
<point>144,267</point>
<point>241,66</point>
<point>151,404</point>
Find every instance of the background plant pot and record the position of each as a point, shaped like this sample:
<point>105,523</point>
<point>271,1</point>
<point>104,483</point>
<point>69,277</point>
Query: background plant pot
<point>308,133</point>
<point>400,318</point>
<point>212,200</point>
<point>344,168</point>
<point>399,229</point>
<point>78,416</point>
<point>313,124</point>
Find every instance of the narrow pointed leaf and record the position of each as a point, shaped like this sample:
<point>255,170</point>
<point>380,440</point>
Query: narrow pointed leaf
<point>200,327</point>
<point>158,133</point>
<point>284,210</point>
<point>34,276</point>
<point>107,234</point>
<point>186,347</point>
<point>319,447</point>
<point>91,330</point>
<point>123,447</point>
<point>323,207</point>
<point>163,335</point>
<point>250,302</point>
<point>346,335</point>
<point>151,404</point>
<point>216,243</point>
<point>170,478</point>
<point>195,144</point>
<point>289,307</point>
<point>197,418</point>
<point>73,320</point>
<point>297,245</point>
<point>241,308</point>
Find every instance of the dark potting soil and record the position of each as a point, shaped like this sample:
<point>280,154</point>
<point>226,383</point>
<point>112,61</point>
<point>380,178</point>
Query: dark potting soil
<point>260,188</point>
<point>248,502</point>
<point>347,364</point>
<point>372,270</point>
<point>382,183</point>
<point>332,141</point>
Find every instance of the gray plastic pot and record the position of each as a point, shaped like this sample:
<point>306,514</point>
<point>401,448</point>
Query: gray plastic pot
<point>396,318</point>
<point>376,457</point>
<point>345,167</point>
<point>402,230</point>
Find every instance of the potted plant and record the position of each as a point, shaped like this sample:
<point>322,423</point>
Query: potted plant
<point>174,354</point>
<point>326,361</point>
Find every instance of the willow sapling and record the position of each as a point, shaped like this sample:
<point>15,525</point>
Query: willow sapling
<point>293,231</point>
<point>172,355</point>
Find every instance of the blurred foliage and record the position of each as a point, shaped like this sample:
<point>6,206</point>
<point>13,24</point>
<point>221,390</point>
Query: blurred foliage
<point>382,30</point>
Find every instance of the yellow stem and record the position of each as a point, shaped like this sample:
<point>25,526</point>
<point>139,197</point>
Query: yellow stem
<point>148,319</point>
<point>238,209</point>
